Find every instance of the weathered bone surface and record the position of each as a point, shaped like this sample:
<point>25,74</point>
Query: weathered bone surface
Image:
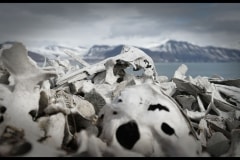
<point>140,109</point>
<point>129,55</point>
<point>101,110</point>
<point>23,95</point>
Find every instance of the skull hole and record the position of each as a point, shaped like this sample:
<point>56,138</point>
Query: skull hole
<point>119,100</point>
<point>153,107</point>
<point>128,134</point>
<point>1,119</point>
<point>167,129</point>
<point>3,109</point>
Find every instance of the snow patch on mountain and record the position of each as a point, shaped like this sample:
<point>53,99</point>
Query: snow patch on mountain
<point>172,51</point>
<point>51,51</point>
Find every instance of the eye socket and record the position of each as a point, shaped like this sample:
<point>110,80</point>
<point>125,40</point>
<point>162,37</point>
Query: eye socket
<point>167,129</point>
<point>119,100</point>
<point>3,109</point>
<point>114,112</point>
<point>128,134</point>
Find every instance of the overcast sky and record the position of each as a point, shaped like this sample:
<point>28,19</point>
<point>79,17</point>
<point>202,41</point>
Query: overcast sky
<point>133,24</point>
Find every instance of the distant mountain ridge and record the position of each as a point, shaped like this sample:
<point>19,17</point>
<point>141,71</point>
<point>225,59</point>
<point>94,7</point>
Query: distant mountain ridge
<point>170,51</point>
<point>173,51</point>
<point>51,51</point>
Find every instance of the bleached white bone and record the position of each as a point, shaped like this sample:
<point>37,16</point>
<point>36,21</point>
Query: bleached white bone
<point>24,95</point>
<point>128,54</point>
<point>180,72</point>
<point>76,58</point>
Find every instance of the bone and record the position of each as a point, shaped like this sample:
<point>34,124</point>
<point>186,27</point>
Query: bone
<point>18,64</point>
<point>200,104</point>
<point>168,88</point>
<point>54,130</point>
<point>230,91</point>
<point>101,110</point>
<point>76,58</point>
<point>83,107</point>
<point>180,72</point>
<point>128,54</point>
<point>204,132</point>
<point>230,82</point>
<point>25,93</point>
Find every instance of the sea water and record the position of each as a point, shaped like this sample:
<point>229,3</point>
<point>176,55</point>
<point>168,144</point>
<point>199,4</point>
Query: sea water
<point>225,70</point>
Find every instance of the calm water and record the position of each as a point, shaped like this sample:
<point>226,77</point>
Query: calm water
<point>226,70</point>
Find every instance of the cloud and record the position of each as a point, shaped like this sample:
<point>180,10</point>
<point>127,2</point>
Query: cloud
<point>134,23</point>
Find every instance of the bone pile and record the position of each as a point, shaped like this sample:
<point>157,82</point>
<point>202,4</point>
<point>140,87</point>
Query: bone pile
<point>100,110</point>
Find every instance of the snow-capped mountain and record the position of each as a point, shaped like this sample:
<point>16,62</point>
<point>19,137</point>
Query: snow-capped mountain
<point>172,51</point>
<point>100,52</point>
<point>186,52</point>
<point>169,51</point>
<point>51,51</point>
<point>97,50</point>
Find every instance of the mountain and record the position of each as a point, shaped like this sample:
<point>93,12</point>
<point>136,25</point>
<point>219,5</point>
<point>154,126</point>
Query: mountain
<point>171,51</point>
<point>180,51</point>
<point>36,57</point>
<point>52,51</point>
<point>99,52</point>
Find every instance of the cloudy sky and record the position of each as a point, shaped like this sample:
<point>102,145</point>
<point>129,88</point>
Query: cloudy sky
<point>133,24</point>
